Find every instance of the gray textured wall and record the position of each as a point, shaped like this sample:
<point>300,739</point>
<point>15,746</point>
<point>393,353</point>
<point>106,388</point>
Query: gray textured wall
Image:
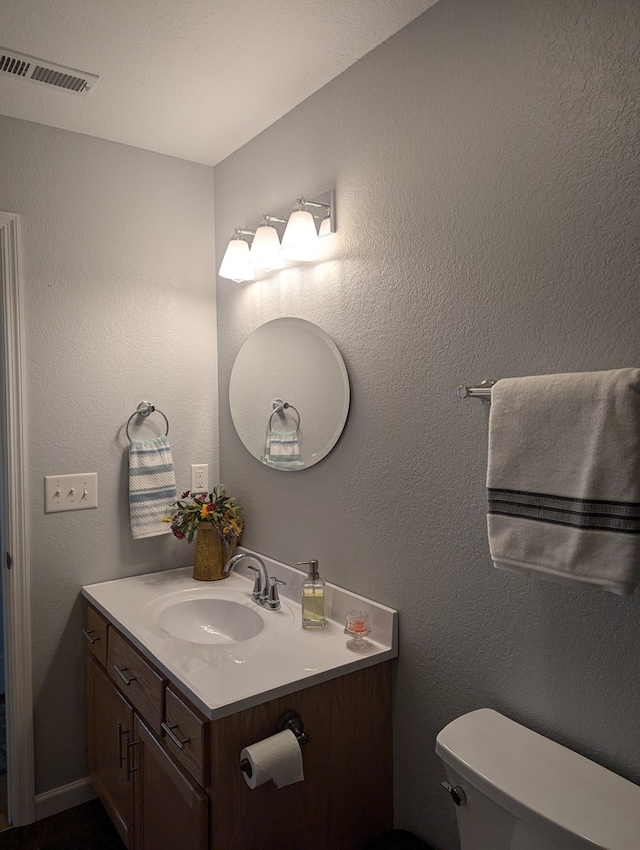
<point>486,167</point>
<point>119,307</point>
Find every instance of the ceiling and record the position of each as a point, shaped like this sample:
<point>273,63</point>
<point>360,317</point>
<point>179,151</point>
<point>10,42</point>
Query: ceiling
<point>195,79</point>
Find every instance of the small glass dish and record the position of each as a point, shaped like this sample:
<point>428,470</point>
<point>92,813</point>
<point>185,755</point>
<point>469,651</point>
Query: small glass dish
<point>358,627</point>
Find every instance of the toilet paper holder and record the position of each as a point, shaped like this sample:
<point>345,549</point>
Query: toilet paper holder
<point>289,720</point>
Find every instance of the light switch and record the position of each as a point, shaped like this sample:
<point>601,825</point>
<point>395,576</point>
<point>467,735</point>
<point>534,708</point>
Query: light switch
<point>70,492</point>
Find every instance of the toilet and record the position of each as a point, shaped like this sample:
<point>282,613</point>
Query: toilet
<point>516,790</point>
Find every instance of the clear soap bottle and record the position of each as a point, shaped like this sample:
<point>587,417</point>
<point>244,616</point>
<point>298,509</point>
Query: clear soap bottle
<point>313,598</point>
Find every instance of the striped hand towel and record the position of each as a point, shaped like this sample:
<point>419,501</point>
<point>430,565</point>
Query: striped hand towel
<point>152,486</point>
<point>282,450</point>
<point>563,477</point>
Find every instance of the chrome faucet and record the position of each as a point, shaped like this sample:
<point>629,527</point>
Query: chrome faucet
<point>265,589</point>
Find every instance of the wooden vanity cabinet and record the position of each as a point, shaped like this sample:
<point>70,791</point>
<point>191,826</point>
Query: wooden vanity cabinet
<point>346,798</point>
<point>170,778</point>
<point>152,801</point>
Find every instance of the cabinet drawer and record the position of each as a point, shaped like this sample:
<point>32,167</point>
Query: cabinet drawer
<point>96,634</point>
<point>135,677</point>
<point>185,735</point>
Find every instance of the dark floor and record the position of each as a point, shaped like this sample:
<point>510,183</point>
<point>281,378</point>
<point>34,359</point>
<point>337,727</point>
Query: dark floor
<point>86,827</point>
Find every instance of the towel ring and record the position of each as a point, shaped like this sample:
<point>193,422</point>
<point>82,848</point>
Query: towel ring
<point>278,407</point>
<point>145,408</point>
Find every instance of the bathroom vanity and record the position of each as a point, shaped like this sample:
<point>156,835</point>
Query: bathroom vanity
<point>171,708</point>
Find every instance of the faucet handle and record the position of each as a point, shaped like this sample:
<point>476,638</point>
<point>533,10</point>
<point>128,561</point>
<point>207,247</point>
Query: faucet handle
<point>273,599</point>
<point>257,591</point>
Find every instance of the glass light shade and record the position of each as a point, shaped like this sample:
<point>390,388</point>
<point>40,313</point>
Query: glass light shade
<point>300,240</point>
<point>265,248</point>
<point>235,264</point>
<point>325,227</point>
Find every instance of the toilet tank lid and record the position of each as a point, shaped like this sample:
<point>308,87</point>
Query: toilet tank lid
<point>555,790</point>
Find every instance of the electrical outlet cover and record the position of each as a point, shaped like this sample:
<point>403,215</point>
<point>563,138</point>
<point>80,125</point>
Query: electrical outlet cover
<point>199,477</point>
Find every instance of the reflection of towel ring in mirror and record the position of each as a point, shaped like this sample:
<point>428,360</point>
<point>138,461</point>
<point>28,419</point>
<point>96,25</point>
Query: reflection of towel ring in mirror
<point>278,406</point>
<point>145,408</point>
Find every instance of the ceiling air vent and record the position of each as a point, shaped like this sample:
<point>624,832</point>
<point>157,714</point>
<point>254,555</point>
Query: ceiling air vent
<point>34,70</point>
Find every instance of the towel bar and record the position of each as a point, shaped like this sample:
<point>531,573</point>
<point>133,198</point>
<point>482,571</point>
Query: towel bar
<point>145,408</point>
<point>482,391</point>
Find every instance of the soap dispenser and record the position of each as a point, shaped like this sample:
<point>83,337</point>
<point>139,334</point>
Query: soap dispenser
<point>313,595</point>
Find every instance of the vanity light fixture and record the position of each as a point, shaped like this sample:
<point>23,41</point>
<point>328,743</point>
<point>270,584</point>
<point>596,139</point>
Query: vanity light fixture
<point>300,241</point>
<point>236,263</point>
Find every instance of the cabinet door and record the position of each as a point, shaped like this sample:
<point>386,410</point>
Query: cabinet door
<point>110,742</point>
<point>171,811</point>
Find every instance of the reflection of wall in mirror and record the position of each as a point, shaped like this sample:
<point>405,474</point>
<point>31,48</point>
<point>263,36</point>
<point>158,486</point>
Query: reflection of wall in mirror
<point>307,375</point>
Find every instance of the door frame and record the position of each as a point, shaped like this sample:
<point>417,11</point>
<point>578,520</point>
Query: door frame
<point>14,564</point>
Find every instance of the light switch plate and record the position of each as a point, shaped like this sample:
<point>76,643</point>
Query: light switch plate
<point>70,492</point>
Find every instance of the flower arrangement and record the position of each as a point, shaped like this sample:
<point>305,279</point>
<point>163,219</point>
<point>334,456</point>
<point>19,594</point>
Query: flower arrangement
<point>217,508</point>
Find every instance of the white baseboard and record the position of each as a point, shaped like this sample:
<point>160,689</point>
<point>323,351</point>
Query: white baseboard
<point>64,797</point>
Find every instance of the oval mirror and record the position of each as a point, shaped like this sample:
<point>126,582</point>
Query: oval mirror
<point>289,394</point>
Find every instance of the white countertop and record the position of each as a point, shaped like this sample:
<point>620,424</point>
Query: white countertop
<point>282,659</point>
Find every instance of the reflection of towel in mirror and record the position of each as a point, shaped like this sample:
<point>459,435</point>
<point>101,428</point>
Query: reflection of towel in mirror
<point>282,450</point>
<point>152,486</point>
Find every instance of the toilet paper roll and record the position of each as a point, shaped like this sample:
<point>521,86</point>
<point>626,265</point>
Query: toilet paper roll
<point>278,758</point>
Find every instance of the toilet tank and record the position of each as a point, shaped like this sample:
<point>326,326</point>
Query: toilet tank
<point>525,792</point>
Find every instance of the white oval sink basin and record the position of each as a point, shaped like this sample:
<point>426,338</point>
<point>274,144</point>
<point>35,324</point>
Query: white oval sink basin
<point>209,621</point>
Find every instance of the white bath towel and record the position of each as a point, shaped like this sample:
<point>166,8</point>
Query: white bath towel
<point>152,486</point>
<point>563,477</point>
